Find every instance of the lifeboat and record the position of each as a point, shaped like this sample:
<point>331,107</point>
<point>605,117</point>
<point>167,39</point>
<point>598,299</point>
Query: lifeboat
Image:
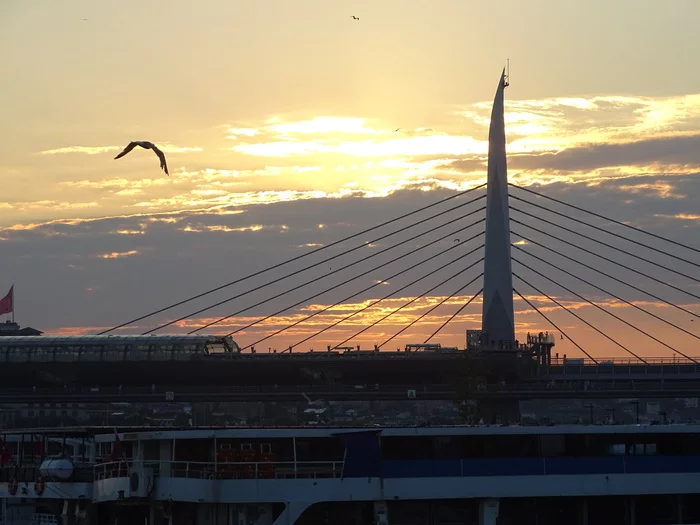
<point>57,468</point>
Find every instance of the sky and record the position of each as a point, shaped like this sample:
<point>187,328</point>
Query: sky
<point>290,125</point>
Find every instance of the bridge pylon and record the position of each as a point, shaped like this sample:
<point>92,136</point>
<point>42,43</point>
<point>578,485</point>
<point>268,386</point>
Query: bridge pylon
<point>497,321</point>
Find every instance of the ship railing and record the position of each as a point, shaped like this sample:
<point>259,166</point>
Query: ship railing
<point>30,473</point>
<point>225,471</point>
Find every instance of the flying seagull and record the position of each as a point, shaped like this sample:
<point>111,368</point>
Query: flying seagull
<point>355,18</point>
<point>146,145</point>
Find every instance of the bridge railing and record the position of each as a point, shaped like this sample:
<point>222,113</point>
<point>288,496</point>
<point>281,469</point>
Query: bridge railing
<point>622,386</point>
<point>654,366</point>
<point>225,470</point>
<point>607,361</point>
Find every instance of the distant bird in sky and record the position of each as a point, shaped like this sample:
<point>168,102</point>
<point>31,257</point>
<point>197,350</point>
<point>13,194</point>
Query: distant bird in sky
<point>397,129</point>
<point>456,240</point>
<point>355,18</point>
<point>146,145</point>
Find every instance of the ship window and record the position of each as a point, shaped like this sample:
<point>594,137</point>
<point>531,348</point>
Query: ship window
<point>552,445</point>
<point>641,449</point>
<point>617,450</point>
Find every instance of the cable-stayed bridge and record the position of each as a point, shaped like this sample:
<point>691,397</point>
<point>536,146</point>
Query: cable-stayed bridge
<point>496,241</point>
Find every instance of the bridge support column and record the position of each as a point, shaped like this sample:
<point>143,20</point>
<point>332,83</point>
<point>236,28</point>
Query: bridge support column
<point>488,511</point>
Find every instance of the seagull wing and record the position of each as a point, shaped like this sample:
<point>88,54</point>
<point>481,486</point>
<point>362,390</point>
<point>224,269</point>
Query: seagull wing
<point>126,150</point>
<point>161,156</point>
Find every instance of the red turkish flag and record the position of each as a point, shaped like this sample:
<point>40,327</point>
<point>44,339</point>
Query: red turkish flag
<point>7,302</point>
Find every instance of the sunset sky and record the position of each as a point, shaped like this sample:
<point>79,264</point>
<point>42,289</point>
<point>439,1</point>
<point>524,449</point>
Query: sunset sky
<point>279,122</point>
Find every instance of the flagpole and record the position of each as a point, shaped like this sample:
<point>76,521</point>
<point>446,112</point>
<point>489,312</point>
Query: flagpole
<point>13,303</point>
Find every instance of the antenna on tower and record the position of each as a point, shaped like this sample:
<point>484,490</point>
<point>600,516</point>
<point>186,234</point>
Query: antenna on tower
<point>506,78</point>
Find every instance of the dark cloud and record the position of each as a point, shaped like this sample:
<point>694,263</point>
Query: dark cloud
<point>658,151</point>
<point>669,151</point>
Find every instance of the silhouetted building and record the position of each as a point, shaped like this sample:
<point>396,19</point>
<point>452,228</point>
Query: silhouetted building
<point>11,328</point>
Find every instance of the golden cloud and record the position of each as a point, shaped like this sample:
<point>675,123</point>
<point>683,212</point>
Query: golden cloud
<point>87,150</point>
<point>340,156</point>
<point>95,150</point>
<point>117,255</point>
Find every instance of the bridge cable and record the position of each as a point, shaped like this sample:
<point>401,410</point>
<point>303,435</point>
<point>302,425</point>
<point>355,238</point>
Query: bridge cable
<point>603,230</point>
<point>436,306</point>
<point>357,277</point>
<point>599,242</point>
<point>580,319</point>
<point>201,310</point>
<point>604,258</point>
<point>609,293</point>
<point>620,223</point>
<point>410,302</point>
<point>608,312</point>
<point>554,324</point>
<point>316,279</point>
<point>606,275</point>
<point>452,317</point>
<point>382,299</point>
<point>255,274</point>
<point>429,258</point>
